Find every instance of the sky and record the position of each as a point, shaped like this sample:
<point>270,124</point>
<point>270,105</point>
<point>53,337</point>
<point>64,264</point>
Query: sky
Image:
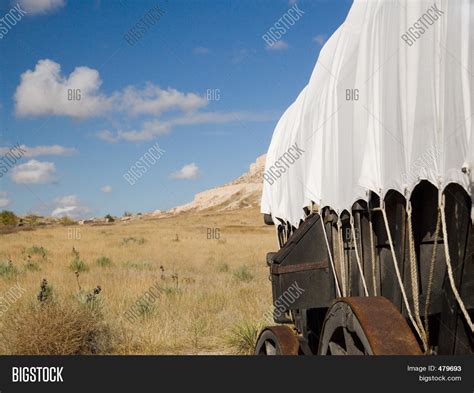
<point>188,89</point>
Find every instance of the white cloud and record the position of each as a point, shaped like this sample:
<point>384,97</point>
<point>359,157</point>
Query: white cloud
<point>106,135</point>
<point>40,6</point>
<point>69,205</point>
<point>67,200</point>
<point>278,45</point>
<point>33,172</point>
<point>70,211</point>
<point>189,171</point>
<point>154,100</point>
<point>220,117</point>
<point>201,50</point>
<point>320,39</point>
<point>64,211</point>
<point>44,91</point>
<point>106,189</point>
<point>150,130</point>
<point>53,150</point>
<point>241,54</point>
<point>4,201</point>
<point>154,128</point>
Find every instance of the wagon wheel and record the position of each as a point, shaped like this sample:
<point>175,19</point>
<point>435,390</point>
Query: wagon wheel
<point>277,340</point>
<point>366,326</point>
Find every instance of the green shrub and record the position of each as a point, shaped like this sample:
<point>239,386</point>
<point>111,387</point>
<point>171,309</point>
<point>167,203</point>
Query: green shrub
<point>133,240</point>
<point>104,261</point>
<point>139,265</point>
<point>7,269</point>
<point>8,218</point>
<point>78,265</point>
<point>109,218</point>
<point>37,250</point>
<point>243,337</point>
<point>32,266</point>
<point>32,219</point>
<point>91,301</point>
<point>67,221</point>
<point>243,274</point>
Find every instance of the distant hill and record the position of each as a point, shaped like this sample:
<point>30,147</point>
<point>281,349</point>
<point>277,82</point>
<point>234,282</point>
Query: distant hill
<point>243,192</point>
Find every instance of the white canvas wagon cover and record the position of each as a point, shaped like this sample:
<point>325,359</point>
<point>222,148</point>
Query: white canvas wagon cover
<point>389,103</point>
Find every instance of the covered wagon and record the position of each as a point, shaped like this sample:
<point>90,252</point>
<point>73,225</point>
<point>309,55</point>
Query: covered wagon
<point>368,181</point>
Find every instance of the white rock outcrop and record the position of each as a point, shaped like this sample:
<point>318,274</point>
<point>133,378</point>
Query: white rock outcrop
<point>243,192</point>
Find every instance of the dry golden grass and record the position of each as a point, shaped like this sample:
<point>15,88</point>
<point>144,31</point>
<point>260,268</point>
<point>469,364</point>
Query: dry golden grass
<point>221,283</point>
<point>54,329</point>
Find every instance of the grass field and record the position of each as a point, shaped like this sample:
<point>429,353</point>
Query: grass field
<point>214,293</point>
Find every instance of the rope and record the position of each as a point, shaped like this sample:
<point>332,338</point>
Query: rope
<point>397,271</point>
<point>431,274</point>
<point>277,236</point>
<point>348,265</point>
<point>330,257</point>
<point>354,237</point>
<point>450,269</point>
<point>372,254</point>
<point>341,257</point>
<point>414,277</point>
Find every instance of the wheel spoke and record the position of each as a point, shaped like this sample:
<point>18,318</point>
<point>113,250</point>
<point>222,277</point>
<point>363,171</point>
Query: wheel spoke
<point>336,349</point>
<point>270,348</point>
<point>350,344</point>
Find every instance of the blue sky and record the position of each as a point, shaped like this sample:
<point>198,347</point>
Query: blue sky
<point>154,91</point>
